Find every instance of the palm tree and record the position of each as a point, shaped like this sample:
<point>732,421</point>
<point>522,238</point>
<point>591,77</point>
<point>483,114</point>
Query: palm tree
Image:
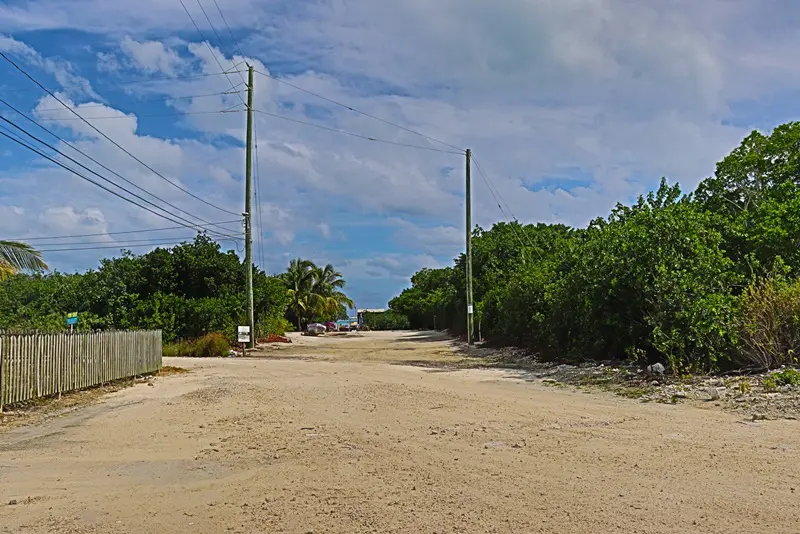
<point>300,279</point>
<point>16,256</point>
<point>328,283</point>
<point>314,291</point>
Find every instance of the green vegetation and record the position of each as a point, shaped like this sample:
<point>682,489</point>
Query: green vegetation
<point>702,282</point>
<point>16,257</point>
<point>388,320</point>
<point>212,345</point>
<point>193,291</point>
<point>315,293</point>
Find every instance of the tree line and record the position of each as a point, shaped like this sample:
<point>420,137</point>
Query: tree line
<point>701,282</point>
<point>187,291</point>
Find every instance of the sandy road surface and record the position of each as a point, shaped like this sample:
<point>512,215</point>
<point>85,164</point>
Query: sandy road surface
<point>353,446</point>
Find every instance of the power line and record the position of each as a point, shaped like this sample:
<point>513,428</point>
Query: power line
<point>121,246</point>
<point>221,68</point>
<point>491,186</point>
<point>138,80</point>
<point>365,137</point>
<point>258,204</point>
<point>229,30</point>
<point>124,242</point>
<point>76,149</point>
<point>351,108</point>
<point>221,43</point>
<point>167,99</point>
<point>73,171</point>
<point>116,233</point>
<point>126,116</point>
<point>31,78</point>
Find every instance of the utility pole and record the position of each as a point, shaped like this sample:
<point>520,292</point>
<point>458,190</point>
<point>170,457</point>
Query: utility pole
<point>468,203</point>
<point>248,226</point>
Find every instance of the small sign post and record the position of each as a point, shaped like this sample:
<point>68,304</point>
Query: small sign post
<point>243,336</point>
<point>72,319</point>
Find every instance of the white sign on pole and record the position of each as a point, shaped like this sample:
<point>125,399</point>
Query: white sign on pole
<point>243,334</point>
<point>469,309</point>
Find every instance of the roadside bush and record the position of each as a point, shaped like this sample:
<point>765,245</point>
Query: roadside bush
<point>212,345</point>
<point>769,322</point>
<point>388,320</point>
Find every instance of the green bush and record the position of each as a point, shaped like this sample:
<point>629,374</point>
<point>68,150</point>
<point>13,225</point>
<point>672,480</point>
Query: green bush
<point>769,322</point>
<point>213,345</point>
<point>388,320</point>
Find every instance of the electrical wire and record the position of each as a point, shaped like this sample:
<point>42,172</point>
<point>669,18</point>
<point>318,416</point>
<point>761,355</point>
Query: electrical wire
<point>123,242</point>
<point>75,249</point>
<point>73,171</point>
<point>214,55</point>
<point>168,99</point>
<point>258,203</point>
<point>229,30</point>
<point>99,234</point>
<point>351,108</point>
<point>31,78</point>
<point>76,149</point>
<point>108,117</point>
<point>365,137</point>
<point>491,186</point>
<point>138,80</point>
<point>221,43</point>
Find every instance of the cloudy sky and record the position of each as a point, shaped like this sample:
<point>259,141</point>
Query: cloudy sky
<point>568,105</point>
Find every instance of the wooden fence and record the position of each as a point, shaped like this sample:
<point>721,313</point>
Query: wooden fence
<point>37,365</point>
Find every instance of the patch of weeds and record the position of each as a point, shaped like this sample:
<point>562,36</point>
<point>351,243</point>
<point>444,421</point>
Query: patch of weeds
<point>744,386</point>
<point>169,370</point>
<point>634,392</point>
<point>787,377</point>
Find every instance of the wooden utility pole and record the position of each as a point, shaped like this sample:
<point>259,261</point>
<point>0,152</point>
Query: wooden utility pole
<point>248,226</point>
<point>468,203</point>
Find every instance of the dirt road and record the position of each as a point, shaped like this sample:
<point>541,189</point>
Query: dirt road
<point>340,441</point>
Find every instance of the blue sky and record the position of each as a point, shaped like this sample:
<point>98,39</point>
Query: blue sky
<point>569,106</point>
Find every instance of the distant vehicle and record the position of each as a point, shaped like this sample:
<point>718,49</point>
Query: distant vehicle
<point>330,326</point>
<point>316,328</point>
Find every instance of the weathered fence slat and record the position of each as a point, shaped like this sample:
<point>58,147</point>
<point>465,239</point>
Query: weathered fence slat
<point>37,365</point>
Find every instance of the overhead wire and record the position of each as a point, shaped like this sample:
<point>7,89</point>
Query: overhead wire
<point>101,186</point>
<point>99,234</point>
<point>258,203</point>
<point>221,42</point>
<point>123,242</point>
<point>141,115</point>
<point>492,189</point>
<point>352,134</point>
<point>351,108</point>
<point>4,56</point>
<point>167,99</point>
<point>76,149</point>
<point>75,249</point>
<point>137,80</point>
<point>213,54</point>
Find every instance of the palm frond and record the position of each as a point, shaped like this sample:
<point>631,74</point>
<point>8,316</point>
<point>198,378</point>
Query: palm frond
<point>16,256</point>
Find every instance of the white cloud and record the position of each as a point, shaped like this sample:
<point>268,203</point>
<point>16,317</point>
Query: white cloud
<point>569,106</point>
<point>151,56</point>
<point>62,71</point>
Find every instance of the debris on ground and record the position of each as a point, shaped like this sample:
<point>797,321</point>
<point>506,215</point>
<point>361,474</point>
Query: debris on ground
<point>766,395</point>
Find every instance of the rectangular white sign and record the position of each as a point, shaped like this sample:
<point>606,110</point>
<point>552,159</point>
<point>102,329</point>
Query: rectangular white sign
<point>243,334</point>
<point>469,309</point>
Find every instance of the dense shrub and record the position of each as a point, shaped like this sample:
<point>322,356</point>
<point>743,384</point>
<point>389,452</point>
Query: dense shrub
<point>670,278</point>
<point>212,345</point>
<point>388,320</point>
<point>769,322</point>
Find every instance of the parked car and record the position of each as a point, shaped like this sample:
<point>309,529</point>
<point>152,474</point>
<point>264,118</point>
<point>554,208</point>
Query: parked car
<point>316,328</point>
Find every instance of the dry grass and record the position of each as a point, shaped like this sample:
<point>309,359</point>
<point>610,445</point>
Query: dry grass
<point>170,370</point>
